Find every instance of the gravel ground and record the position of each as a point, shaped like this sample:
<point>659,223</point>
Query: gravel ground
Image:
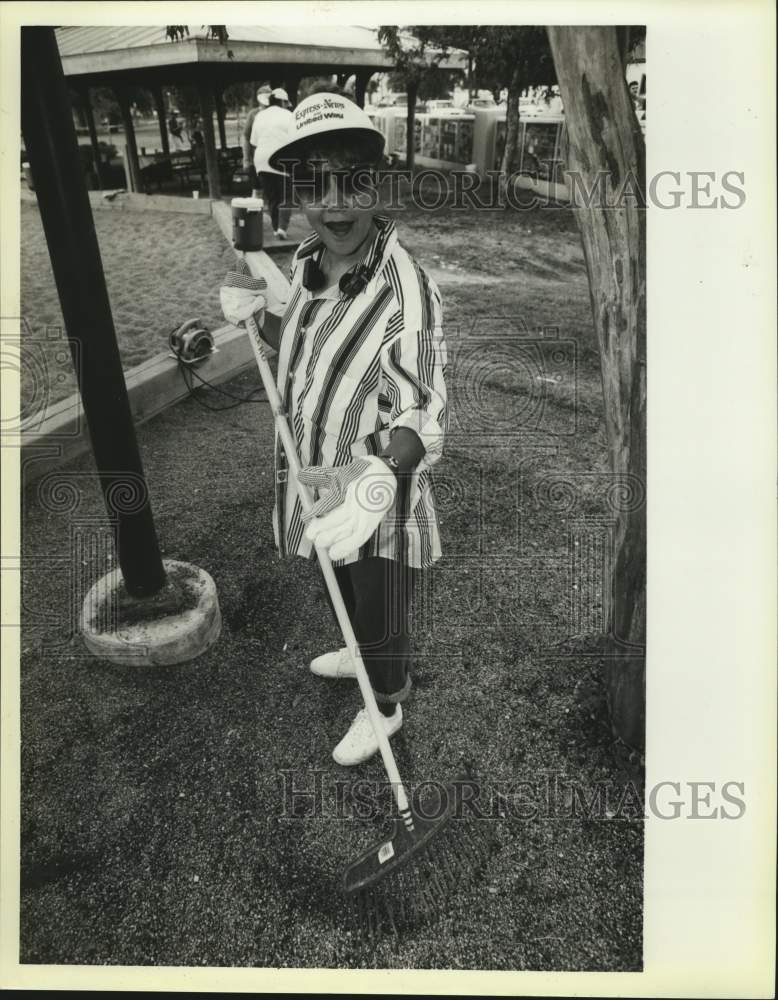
<point>153,801</point>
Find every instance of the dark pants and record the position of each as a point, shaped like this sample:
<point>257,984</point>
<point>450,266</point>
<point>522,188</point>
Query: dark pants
<point>254,182</point>
<point>377,594</point>
<point>273,193</point>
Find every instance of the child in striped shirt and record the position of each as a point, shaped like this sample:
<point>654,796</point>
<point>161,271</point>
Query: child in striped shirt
<point>361,366</point>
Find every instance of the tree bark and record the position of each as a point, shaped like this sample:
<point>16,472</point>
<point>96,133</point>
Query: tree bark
<point>605,142</point>
<point>410,139</point>
<point>511,126</point>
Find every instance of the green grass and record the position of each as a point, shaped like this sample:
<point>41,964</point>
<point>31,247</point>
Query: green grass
<point>152,800</point>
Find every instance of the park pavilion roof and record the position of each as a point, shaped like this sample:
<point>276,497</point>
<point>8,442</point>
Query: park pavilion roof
<point>100,50</point>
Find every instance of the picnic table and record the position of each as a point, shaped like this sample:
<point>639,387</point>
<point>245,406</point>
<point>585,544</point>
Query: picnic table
<point>189,167</point>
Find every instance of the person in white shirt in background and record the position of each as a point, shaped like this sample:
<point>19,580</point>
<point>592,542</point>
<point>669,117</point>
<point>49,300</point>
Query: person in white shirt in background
<point>269,131</point>
<point>263,102</point>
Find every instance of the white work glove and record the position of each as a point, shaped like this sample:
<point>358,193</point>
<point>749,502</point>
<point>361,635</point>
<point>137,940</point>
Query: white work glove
<point>239,295</point>
<point>354,500</point>
<point>243,295</point>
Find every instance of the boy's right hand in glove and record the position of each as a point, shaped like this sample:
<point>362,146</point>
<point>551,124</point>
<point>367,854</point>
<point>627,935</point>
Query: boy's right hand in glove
<point>243,295</point>
<point>357,498</point>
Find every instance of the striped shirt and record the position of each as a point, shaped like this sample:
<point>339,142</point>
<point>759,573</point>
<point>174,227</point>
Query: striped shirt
<point>350,370</point>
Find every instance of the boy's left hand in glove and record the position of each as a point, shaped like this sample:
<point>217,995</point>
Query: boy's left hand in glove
<point>357,498</point>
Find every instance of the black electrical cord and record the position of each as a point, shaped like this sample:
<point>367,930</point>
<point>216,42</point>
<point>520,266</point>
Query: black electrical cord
<point>207,406</point>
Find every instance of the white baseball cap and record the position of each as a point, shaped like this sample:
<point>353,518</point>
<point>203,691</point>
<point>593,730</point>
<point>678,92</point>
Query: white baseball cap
<point>280,95</point>
<point>321,114</point>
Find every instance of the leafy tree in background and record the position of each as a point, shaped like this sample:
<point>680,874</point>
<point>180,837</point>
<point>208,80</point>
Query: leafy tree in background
<point>498,56</point>
<point>503,56</point>
<point>417,54</point>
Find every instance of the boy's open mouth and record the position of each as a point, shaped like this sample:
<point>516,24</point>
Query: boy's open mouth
<point>339,229</point>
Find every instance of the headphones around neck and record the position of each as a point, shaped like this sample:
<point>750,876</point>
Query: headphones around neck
<point>352,283</point>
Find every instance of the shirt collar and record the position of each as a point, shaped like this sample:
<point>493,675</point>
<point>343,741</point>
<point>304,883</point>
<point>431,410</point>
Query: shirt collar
<point>374,257</point>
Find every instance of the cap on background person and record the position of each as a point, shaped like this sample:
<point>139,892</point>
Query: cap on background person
<point>263,96</point>
<point>280,96</point>
<point>327,114</point>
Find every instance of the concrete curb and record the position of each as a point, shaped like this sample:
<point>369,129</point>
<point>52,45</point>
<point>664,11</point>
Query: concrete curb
<point>59,435</point>
<point>129,201</point>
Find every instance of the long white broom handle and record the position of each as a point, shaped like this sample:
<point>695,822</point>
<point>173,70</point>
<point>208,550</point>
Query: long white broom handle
<point>306,499</point>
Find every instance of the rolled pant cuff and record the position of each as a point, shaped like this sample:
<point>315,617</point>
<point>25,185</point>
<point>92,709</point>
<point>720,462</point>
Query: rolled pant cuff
<point>395,697</point>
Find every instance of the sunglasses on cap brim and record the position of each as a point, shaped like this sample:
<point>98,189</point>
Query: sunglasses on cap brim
<point>312,182</point>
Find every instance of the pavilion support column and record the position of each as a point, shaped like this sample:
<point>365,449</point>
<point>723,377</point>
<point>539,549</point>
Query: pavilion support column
<point>342,77</point>
<point>159,104</point>
<point>211,157</point>
<point>360,86</point>
<point>66,215</point>
<point>135,179</point>
<point>291,85</point>
<point>217,100</point>
<point>86,104</point>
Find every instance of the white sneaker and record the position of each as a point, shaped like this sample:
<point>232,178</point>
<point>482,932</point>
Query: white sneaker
<point>281,234</point>
<point>359,743</point>
<point>337,664</point>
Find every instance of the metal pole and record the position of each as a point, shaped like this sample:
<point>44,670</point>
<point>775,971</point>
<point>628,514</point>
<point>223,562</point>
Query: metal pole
<point>66,215</point>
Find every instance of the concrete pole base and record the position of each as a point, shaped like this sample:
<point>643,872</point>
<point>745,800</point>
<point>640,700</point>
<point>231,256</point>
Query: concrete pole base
<point>174,625</point>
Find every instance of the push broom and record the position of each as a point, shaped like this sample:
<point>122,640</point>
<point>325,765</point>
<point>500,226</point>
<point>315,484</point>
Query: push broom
<point>402,880</point>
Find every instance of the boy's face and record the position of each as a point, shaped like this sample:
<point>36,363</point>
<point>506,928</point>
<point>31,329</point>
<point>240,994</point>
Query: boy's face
<point>339,200</point>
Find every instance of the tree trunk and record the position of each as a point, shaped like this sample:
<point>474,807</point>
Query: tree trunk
<point>410,139</point>
<point>604,139</point>
<point>511,126</point>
